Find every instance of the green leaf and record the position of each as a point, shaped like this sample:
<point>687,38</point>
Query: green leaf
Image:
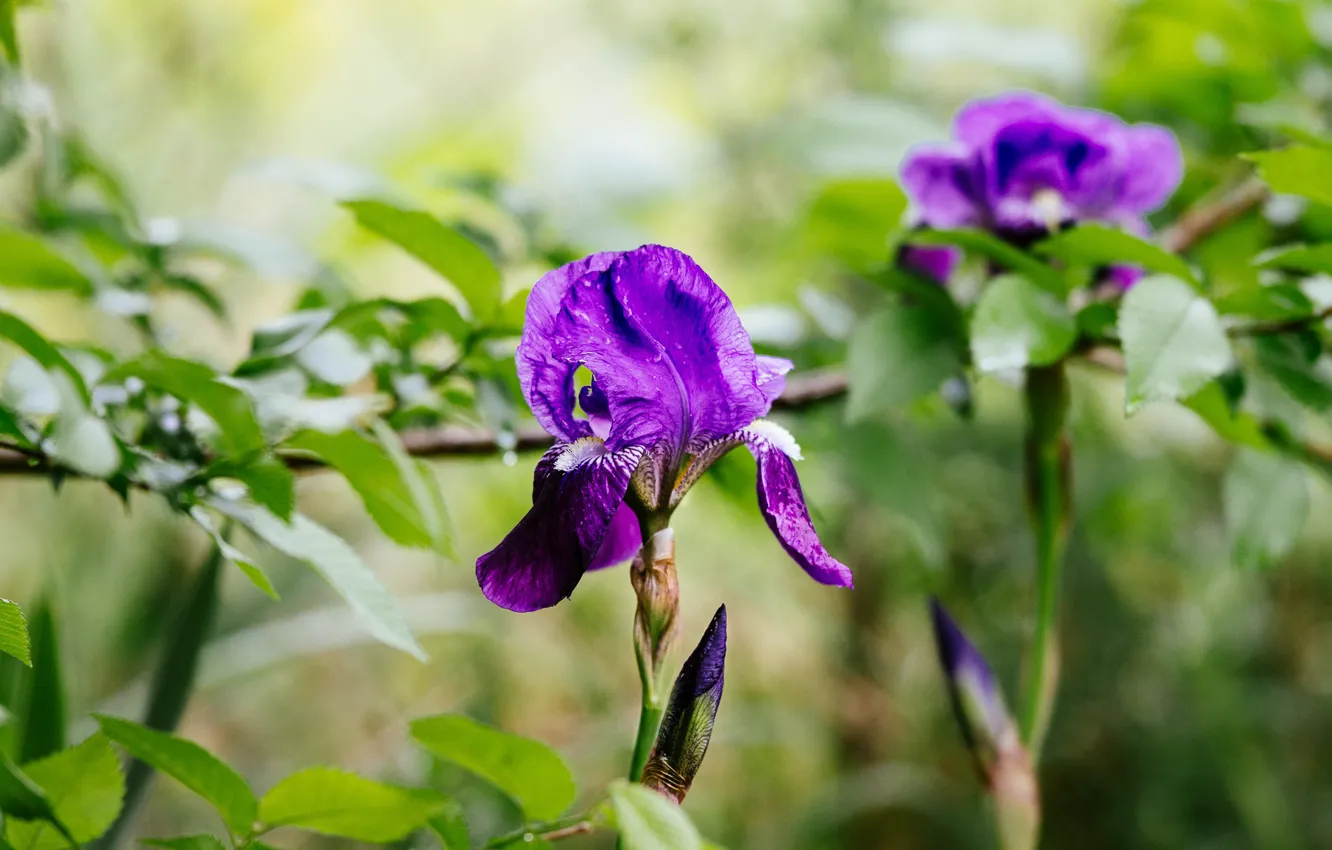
<point>27,261</point>
<point>85,786</point>
<point>648,821</point>
<point>190,764</point>
<point>1173,341</point>
<point>1275,303</point>
<point>270,482</point>
<point>392,488</point>
<point>450,827</point>
<point>987,245</point>
<point>81,440</point>
<point>1097,245</point>
<point>1267,503</point>
<point>245,563</point>
<point>900,354</point>
<point>1297,170</point>
<point>1017,324</point>
<point>9,30</point>
<point>187,842</point>
<point>530,772</point>
<point>337,562</point>
<point>228,406</point>
<point>40,349</point>
<point>1237,426</point>
<point>331,801</point>
<point>1294,360</point>
<point>13,129</point>
<point>24,799</point>
<point>1313,259</point>
<point>40,710</point>
<point>422,486</point>
<point>853,219</point>
<point>14,632</point>
<point>439,246</point>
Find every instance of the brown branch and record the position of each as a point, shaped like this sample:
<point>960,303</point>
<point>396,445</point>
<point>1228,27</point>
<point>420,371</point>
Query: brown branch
<point>1212,214</point>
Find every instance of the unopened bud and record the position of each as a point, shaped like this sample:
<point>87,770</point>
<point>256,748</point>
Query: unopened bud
<point>658,590</point>
<point>686,727</point>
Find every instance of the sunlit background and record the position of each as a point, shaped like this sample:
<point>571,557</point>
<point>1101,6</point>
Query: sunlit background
<point>1195,702</point>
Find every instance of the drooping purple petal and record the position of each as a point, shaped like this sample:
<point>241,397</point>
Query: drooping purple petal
<point>686,726</point>
<point>623,540</point>
<point>578,489</point>
<point>944,185</point>
<point>934,261</point>
<point>771,379</point>
<point>1154,169</point>
<point>783,504</point>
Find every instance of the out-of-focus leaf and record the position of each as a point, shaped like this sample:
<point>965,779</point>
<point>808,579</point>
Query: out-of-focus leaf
<point>530,772</point>
<point>1018,324</point>
<point>440,247</point>
<point>40,349</point>
<point>41,708</point>
<point>900,354</point>
<point>1267,503</point>
<point>648,821</point>
<point>228,406</point>
<point>289,334</point>
<point>81,440</point>
<point>853,220</point>
<point>333,802</point>
<point>1297,170</point>
<point>270,482</point>
<point>1274,303</point>
<point>1237,426</point>
<point>1173,341</point>
<point>187,842</point>
<point>987,245</point>
<point>85,786</point>
<point>450,826</point>
<point>9,31</point>
<point>24,799</point>
<point>1097,245</point>
<point>28,261</point>
<point>1314,259</point>
<point>198,290</point>
<point>1293,359</point>
<point>337,562</point>
<point>246,564</point>
<point>334,357</point>
<point>14,632</point>
<point>422,486</point>
<point>13,129</point>
<point>391,487</point>
<point>190,764</point>
<point>29,389</point>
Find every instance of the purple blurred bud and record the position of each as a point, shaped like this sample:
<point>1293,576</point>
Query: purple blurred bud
<point>977,701</point>
<point>934,262</point>
<point>686,727</point>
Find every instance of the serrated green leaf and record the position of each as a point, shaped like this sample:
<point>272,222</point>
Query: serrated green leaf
<point>270,482</point>
<point>193,766</point>
<point>245,563</point>
<point>24,799</point>
<point>530,772</point>
<point>393,491</point>
<point>335,802</point>
<point>987,245</point>
<point>14,632</point>
<point>903,352</point>
<point>229,407</point>
<point>853,220</point>
<point>187,842</point>
<point>440,247</point>
<point>84,785</point>
<point>1017,324</point>
<point>1297,170</point>
<point>1237,426</point>
<point>648,821</point>
<point>9,31</point>
<point>450,826</point>
<point>27,261</point>
<point>1313,259</point>
<point>1173,341</point>
<point>40,709</point>
<point>1267,502</point>
<point>1098,245</point>
<point>337,562</point>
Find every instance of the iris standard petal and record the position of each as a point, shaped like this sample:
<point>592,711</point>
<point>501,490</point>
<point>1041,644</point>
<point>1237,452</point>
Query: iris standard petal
<point>771,377</point>
<point>544,369</point>
<point>944,184</point>
<point>977,123</point>
<point>623,540</point>
<point>783,503</point>
<point>578,490</point>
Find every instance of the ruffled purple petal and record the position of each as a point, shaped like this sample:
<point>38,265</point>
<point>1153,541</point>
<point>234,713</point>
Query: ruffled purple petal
<point>623,540</point>
<point>771,378</point>
<point>944,185</point>
<point>977,123</point>
<point>783,505</point>
<point>1155,167</point>
<point>578,489</point>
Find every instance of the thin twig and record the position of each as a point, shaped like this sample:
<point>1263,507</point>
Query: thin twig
<point>1210,215</point>
<point>1283,326</point>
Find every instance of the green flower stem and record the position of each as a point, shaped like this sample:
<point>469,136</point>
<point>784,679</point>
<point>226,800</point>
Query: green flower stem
<point>1049,506</point>
<point>658,591</point>
<point>649,718</point>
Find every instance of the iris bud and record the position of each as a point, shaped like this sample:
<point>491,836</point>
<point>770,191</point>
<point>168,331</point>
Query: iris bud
<point>658,590</point>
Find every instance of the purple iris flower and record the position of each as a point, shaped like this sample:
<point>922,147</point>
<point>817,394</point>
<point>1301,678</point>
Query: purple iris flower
<point>1023,165</point>
<point>676,384</point>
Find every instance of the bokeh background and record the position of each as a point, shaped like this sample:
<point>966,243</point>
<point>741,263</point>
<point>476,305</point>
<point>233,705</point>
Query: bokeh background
<point>1195,702</point>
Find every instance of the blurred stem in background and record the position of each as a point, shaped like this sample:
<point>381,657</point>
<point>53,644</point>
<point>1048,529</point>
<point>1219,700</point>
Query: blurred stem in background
<point>173,681</point>
<point>1049,503</point>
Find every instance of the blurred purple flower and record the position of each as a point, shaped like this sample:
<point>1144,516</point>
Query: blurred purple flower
<point>935,262</point>
<point>676,384</point>
<point>1024,165</point>
<point>977,701</point>
<point>686,725</point>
